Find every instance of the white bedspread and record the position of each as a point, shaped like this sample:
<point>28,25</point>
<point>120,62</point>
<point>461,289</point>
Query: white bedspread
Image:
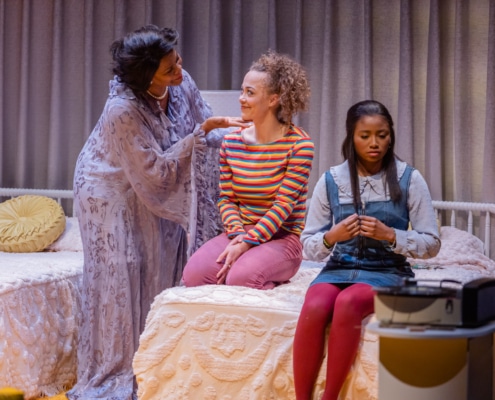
<point>39,304</point>
<point>225,343</point>
<point>220,342</point>
<point>212,342</point>
<point>461,258</point>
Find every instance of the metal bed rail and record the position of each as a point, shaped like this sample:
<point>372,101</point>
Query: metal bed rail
<point>485,211</point>
<point>57,194</point>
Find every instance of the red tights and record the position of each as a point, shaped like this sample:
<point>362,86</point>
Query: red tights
<point>345,309</point>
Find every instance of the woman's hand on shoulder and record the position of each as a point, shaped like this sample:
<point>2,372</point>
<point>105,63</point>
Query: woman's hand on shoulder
<point>223,122</point>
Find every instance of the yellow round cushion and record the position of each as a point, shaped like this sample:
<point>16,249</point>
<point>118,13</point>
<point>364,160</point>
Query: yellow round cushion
<point>30,223</point>
<point>9,393</point>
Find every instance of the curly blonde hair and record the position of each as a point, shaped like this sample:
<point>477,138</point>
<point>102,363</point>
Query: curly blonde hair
<point>288,79</point>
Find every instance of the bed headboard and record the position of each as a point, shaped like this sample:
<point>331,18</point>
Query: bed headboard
<point>63,197</point>
<point>224,103</point>
<point>474,218</point>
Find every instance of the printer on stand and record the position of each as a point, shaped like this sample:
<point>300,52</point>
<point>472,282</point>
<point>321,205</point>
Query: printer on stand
<point>436,340</point>
<point>437,303</point>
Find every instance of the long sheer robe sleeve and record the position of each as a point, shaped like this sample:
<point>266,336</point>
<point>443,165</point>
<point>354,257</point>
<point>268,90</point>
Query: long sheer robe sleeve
<point>160,178</point>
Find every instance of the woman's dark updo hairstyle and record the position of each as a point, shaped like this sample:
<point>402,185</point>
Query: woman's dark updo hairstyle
<point>136,57</point>
<point>355,113</point>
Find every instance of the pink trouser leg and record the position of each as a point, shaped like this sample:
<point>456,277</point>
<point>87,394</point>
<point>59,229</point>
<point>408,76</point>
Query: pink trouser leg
<point>261,267</point>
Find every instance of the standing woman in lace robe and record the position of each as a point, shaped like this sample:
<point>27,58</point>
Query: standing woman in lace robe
<point>133,199</point>
<point>359,216</point>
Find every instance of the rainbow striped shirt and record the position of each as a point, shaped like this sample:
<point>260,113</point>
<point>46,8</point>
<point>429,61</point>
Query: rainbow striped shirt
<point>265,185</point>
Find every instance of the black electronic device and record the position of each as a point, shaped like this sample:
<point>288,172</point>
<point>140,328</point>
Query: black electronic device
<point>441,302</point>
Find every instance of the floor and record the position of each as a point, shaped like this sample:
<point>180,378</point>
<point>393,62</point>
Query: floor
<point>60,396</point>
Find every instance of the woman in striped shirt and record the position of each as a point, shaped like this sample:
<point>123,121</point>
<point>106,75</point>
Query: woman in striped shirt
<point>264,172</point>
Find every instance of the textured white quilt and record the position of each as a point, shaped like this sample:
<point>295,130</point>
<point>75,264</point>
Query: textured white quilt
<point>39,305</point>
<point>212,342</point>
<point>224,343</point>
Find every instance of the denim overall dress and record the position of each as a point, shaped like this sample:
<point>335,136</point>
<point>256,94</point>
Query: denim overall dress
<point>363,259</point>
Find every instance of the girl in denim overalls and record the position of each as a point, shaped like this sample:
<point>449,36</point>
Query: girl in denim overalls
<point>358,219</point>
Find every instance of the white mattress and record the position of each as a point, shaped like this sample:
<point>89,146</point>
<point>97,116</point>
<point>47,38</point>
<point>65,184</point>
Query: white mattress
<point>217,340</point>
<point>224,342</point>
<point>209,342</point>
<point>39,307</point>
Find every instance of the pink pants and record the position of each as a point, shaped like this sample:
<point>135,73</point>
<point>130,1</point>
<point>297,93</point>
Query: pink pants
<point>261,267</point>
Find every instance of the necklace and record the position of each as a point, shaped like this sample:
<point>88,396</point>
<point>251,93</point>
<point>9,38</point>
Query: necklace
<point>159,97</point>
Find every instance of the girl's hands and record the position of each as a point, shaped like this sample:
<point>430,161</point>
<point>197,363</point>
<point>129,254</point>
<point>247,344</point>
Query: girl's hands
<point>223,122</point>
<point>232,252</point>
<point>344,230</point>
<point>376,229</point>
<point>364,225</point>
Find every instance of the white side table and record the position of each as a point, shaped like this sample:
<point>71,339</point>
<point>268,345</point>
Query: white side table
<point>435,363</point>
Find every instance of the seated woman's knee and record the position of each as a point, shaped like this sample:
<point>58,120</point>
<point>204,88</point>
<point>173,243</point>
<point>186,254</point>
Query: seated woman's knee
<point>241,276</point>
<point>355,300</point>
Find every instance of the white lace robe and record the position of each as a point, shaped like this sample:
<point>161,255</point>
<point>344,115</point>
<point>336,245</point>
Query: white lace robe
<point>144,193</point>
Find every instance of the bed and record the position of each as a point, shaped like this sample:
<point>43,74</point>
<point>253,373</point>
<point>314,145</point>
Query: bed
<point>39,307</point>
<point>222,343</point>
<point>212,342</point>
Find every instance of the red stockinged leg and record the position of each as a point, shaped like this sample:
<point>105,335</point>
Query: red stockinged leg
<point>353,304</point>
<point>309,339</point>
